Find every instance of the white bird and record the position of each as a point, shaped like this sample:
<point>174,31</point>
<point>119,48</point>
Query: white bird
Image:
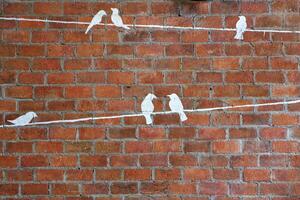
<point>148,107</point>
<point>116,19</point>
<point>241,27</point>
<point>96,20</point>
<point>23,119</point>
<point>176,106</point>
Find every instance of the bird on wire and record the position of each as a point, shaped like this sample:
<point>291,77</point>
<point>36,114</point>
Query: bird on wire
<point>147,107</point>
<point>96,20</point>
<point>23,119</point>
<point>176,106</point>
<point>241,27</point>
<point>116,19</point>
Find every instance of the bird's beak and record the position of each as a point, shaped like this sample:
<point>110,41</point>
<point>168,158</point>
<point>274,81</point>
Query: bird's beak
<point>169,95</point>
<point>155,97</point>
<point>112,9</point>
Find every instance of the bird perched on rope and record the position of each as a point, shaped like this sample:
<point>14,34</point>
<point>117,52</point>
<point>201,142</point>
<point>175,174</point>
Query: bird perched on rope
<point>96,20</point>
<point>23,119</point>
<point>116,19</point>
<point>176,106</point>
<point>241,27</point>
<point>148,107</point>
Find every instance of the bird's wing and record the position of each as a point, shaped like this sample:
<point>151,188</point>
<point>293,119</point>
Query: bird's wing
<point>176,105</point>
<point>147,106</point>
<point>117,20</point>
<point>18,120</point>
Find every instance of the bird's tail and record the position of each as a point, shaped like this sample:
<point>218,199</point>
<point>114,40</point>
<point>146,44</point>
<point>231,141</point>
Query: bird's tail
<point>239,36</point>
<point>11,121</point>
<point>148,119</point>
<point>126,27</point>
<point>182,116</point>
<point>88,28</point>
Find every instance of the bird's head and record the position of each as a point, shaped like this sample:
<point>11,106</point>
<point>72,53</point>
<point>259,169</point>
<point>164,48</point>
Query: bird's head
<point>115,10</point>
<point>32,114</point>
<point>243,18</point>
<point>102,12</point>
<point>173,96</point>
<point>150,96</point>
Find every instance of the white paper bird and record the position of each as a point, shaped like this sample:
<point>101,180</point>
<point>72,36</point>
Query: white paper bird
<point>116,19</point>
<point>96,20</point>
<point>148,107</point>
<point>23,119</point>
<point>176,106</point>
<point>241,27</point>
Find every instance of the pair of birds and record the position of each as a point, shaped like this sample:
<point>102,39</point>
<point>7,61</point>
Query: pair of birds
<point>175,105</point>
<point>115,18</point>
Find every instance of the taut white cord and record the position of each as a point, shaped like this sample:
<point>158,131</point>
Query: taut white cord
<point>149,26</point>
<point>154,113</point>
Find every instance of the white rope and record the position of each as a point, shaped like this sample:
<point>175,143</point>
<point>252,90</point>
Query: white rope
<point>149,26</point>
<point>154,113</point>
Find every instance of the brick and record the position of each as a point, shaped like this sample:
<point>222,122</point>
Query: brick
<point>88,161</point>
<point>185,188</point>
<point>161,8</point>
<point>209,49</point>
<point>225,63</point>
<point>244,189</point>
<point>32,50</point>
<point>35,189</point>
<point>284,119</point>
<point>9,189</point>
<point>63,161</point>
<point>242,133</point>
<point>149,50</point>
<point>65,189</point>
<point>49,147</point>
<point>137,174</point>
<point>47,8</point>
<point>8,161</point>
<point>15,8</point>
<point>226,174</point>
<point>226,147</point>
<point>268,21</point>
<point>167,174</point>
<point>154,188</point>
<point>34,161</point>
<point>239,77</point>
<point>285,146</point>
<point>183,160</point>
<point>257,146</point>
<point>78,92</point>
<point>257,175</point>
<point>284,63</point>
<point>19,147</point>
<point>286,175</point>
<point>22,92</point>
<point>124,188</point>
<point>49,175</point>
<point>196,147</point>
<point>213,188</point>
<point>97,188</point>
<point>153,160</point>
<point>274,189</point>
<point>197,174</point>
<point>112,174</point>
<point>31,78</point>
<point>79,175</point>
<point>48,92</point>
<point>244,161</point>
<point>273,161</point>
<point>123,161</point>
<point>78,147</point>
<point>92,50</point>
<point>180,50</point>
<point>20,175</point>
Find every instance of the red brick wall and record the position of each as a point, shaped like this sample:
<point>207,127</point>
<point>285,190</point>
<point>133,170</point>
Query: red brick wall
<point>61,73</point>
